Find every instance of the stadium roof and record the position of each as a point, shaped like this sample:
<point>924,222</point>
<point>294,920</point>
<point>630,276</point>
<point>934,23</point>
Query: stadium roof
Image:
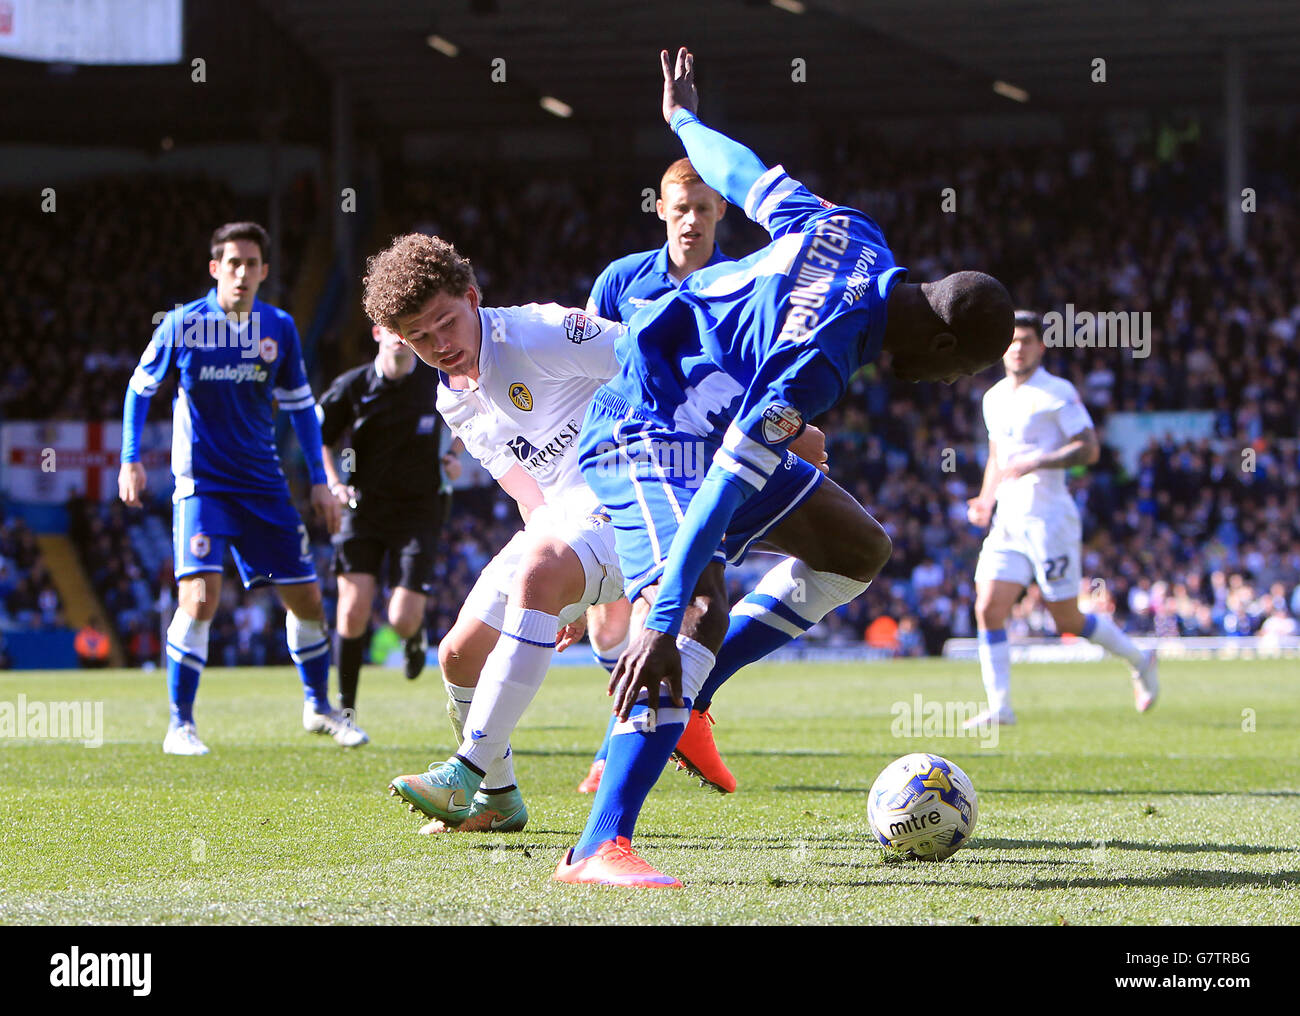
<point>916,57</point>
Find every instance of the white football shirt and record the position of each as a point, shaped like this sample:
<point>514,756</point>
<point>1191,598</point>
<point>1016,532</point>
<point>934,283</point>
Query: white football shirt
<point>539,367</point>
<point>1040,415</point>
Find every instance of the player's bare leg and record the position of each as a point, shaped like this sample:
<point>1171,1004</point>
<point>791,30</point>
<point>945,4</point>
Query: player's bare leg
<point>356,594</point>
<point>607,630</point>
<point>309,648</point>
<point>406,615</point>
<point>1099,628</point>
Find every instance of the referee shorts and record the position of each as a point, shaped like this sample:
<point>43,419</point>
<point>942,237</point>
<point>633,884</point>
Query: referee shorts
<point>361,545</point>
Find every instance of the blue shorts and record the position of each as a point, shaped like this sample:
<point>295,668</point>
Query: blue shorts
<point>265,534</point>
<point>645,476</point>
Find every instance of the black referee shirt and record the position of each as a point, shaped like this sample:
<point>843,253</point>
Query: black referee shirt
<point>396,438</point>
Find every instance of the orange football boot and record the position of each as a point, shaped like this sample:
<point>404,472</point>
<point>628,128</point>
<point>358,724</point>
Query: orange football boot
<point>592,782</point>
<point>698,755</point>
<point>615,863</point>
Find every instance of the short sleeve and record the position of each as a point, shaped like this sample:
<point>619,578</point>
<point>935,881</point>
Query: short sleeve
<point>1072,416</point>
<point>566,342</point>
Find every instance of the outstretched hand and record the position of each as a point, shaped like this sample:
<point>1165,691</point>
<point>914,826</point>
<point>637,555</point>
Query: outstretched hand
<point>652,658</point>
<point>679,83</point>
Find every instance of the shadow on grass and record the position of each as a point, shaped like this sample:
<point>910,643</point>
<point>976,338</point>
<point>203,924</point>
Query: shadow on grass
<point>983,843</point>
<point>1180,879</point>
<point>1090,792</point>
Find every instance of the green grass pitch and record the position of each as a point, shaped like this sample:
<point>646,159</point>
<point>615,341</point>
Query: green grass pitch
<point>1089,813</point>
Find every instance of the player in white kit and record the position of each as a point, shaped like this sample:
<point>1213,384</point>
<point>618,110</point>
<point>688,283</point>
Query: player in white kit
<point>1037,428</point>
<point>514,385</point>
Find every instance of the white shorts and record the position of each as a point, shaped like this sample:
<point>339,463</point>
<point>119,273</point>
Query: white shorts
<point>591,537</point>
<point>1026,549</point>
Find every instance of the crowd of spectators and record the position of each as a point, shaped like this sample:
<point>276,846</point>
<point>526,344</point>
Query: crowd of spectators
<point>1201,536</point>
<point>87,278</point>
<point>28,597</point>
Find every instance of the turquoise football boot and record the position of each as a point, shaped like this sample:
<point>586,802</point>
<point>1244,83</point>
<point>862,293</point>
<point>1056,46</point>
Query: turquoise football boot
<point>445,791</point>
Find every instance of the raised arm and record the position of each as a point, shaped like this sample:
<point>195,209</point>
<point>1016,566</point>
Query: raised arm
<point>727,166</point>
<point>768,196</point>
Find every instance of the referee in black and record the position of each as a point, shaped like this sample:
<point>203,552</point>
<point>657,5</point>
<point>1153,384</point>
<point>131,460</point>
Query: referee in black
<point>393,495</point>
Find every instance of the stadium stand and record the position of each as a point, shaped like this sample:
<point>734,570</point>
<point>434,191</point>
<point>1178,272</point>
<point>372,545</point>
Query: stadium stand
<point>1191,534</point>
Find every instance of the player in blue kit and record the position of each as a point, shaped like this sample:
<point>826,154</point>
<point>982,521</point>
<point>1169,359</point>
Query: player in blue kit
<point>235,356</point>
<point>690,210</point>
<point>687,449</point>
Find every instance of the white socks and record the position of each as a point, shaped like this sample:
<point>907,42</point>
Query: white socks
<point>501,772</point>
<point>697,662</point>
<point>995,668</point>
<point>511,677</point>
<point>1108,635</point>
<point>188,637</point>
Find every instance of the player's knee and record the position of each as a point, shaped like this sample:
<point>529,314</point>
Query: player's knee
<point>454,660</point>
<point>405,622</point>
<point>550,577</point>
<point>857,547</point>
<point>604,632</point>
<point>868,552</point>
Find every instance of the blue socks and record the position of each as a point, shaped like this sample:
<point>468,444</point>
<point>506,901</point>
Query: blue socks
<point>637,755</point>
<point>608,659</point>
<point>309,648</point>
<point>187,654</point>
<point>753,634</point>
<point>603,751</point>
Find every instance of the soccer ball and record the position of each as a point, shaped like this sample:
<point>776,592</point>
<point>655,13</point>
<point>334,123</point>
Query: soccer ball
<point>922,807</point>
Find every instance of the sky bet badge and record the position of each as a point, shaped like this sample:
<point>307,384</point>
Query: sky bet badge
<point>780,423</point>
<point>579,327</point>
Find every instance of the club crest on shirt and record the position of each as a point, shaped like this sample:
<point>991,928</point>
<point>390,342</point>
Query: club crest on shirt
<point>199,545</point>
<point>780,423</point>
<point>267,349</point>
<point>521,396</point>
<point>579,327</point>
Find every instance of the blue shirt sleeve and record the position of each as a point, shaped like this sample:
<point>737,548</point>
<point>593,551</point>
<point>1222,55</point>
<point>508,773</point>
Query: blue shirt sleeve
<point>149,373</point>
<point>699,535</point>
<point>294,395</point>
<point>291,388</point>
<point>307,427</point>
<point>769,196</point>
